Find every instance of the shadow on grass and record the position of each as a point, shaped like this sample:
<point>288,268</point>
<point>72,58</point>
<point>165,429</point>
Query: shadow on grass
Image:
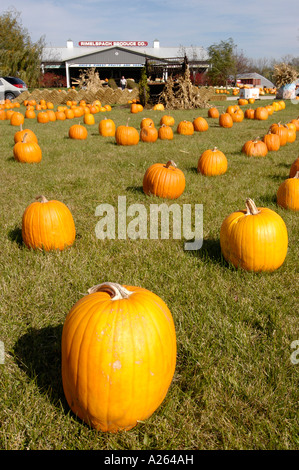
<point>38,353</point>
<point>210,250</point>
<point>135,189</point>
<point>15,235</point>
<point>267,199</point>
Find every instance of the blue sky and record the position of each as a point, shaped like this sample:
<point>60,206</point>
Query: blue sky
<point>261,29</point>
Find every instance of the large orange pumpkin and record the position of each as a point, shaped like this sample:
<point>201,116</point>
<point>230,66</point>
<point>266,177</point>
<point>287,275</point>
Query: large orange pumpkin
<point>185,127</point>
<point>48,225</point>
<point>126,135</point>
<point>165,181</point>
<point>200,124</point>
<point>255,148</point>
<point>27,151</point>
<point>225,120</point>
<point>148,133</point>
<point>107,128</point>
<point>78,132</point>
<point>118,355</point>
<point>212,162</point>
<point>254,239</point>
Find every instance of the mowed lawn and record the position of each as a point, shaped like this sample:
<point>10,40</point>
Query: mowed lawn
<point>235,386</point>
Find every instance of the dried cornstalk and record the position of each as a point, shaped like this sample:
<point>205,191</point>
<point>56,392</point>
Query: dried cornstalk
<point>284,74</point>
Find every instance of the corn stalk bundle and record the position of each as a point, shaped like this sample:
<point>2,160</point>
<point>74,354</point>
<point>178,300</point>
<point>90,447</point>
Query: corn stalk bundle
<point>284,74</point>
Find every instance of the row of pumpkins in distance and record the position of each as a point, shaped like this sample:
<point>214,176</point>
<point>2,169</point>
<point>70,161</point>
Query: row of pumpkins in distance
<point>99,397</point>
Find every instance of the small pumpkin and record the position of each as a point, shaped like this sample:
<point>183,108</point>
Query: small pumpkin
<point>165,132</point>
<point>166,181</point>
<point>212,162</point>
<point>17,118</point>
<point>118,356</point>
<point>272,141</point>
<point>200,124</point>
<point>261,113</point>
<point>89,119</point>
<point>255,239</point>
<point>213,113</point>
<point>167,120</point>
<point>249,113</point>
<point>279,129</point>
<point>158,107</point>
<point>78,132</point>
<point>291,133</point>
<point>288,193</point>
<point>294,168</point>
<point>27,151</point>
<point>126,135</point>
<point>48,225</point>
<point>30,135</point>
<point>237,115</point>
<point>107,128</point>
<point>185,128</point>
<point>146,121</point>
<point>149,134</point>
<point>255,148</point>
<point>42,117</point>
<point>225,120</point>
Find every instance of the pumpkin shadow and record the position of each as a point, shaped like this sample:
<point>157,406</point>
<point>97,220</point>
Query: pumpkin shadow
<point>38,354</point>
<point>268,199</point>
<point>135,189</point>
<point>15,235</point>
<point>210,250</point>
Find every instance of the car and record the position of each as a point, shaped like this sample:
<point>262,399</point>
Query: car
<point>11,87</point>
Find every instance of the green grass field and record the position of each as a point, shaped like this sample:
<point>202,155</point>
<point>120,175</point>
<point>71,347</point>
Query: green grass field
<point>235,386</point>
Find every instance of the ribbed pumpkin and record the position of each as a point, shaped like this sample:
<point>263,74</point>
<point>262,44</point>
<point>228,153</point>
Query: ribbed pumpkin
<point>237,115</point>
<point>249,113</point>
<point>27,151</point>
<point>89,119</point>
<point>213,113</point>
<point>291,133</point>
<point>48,225</point>
<point>165,132</point>
<point>30,135</point>
<point>185,128</point>
<point>272,141</point>
<point>225,120</point>
<point>42,117</point>
<point>254,239</point>
<point>146,121</point>
<point>288,193</point>
<point>261,113</point>
<point>17,118</point>
<point>118,356</point>
<point>167,120</point>
<point>107,128</point>
<point>280,130</point>
<point>30,114</point>
<point>212,162</point>
<point>255,148</point>
<point>200,124</point>
<point>166,181</point>
<point>294,168</point>
<point>126,135</point>
<point>78,132</point>
<point>149,133</point>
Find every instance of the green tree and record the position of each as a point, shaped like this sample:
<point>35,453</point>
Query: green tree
<point>19,56</point>
<point>223,62</point>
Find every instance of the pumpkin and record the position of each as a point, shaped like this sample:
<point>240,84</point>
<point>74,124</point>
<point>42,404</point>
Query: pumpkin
<point>242,101</point>
<point>232,108</point>
<point>280,130</point>
<point>42,117</point>
<point>294,168</point>
<point>30,113</point>
<point>200,124</point>
<point>89,119</point>
<point>30,135</point>
<point>270,109</point>
<point>213,113</point>
<point>249,113</point>
<point>165,132</point>
<point>237,115</point>
<point>225,120</point>
<point>51,114</point>
<point>166,181</point>
<point>291,133</point>
<point>78,132</point>
<point>17,118</point>
<point>146,122</point>
<point>255,148</point>
<point>107,128</point>
<point>60,115</point>
<point>212,162</point>
<point>136,108</point>
<point>272,141</point>
<point>261,113</point>
<point>118,356</point>
<point>167,120</point>
<point>185,128</point>
<point>126,135</point>
<point>158,107</point>
<point>69,114</point>
<point>296,123</point>
<point>48,225</point>
<point>149,134</point>
<point>27,152</point>
<point>288,193</point>
<point>254,239</point>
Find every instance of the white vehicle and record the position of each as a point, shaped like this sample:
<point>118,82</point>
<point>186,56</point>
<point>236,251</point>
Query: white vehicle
<point>11,87</point>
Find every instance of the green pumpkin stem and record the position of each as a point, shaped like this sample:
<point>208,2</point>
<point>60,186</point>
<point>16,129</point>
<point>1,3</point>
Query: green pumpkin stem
<point>251,207</point>
<point>116,291</point>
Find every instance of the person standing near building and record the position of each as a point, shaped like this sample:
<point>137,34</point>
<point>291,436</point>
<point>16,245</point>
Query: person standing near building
<point>123,82</point>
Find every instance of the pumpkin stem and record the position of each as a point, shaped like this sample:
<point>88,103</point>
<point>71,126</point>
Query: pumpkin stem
<point>24,137</point>
<point>215,149</point>
<point>170,162</point>
<point>297,175</point>
<point>42,198</point>
<point>116,291</point>
<point>251,207</point>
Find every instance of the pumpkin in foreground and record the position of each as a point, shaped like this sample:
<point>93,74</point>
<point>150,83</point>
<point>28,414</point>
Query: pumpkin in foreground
<point>254,239</point>
<point>118,356</point>
<point>48,225</point>
<point>166,181</point>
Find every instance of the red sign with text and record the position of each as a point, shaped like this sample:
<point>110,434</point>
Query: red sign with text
<point>113,43</point>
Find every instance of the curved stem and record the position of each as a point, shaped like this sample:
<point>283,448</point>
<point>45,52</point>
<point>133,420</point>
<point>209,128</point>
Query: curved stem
<point>116,291</point>
<point>42,198</point>
<point>170,162</point>
<point>251,207</point>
